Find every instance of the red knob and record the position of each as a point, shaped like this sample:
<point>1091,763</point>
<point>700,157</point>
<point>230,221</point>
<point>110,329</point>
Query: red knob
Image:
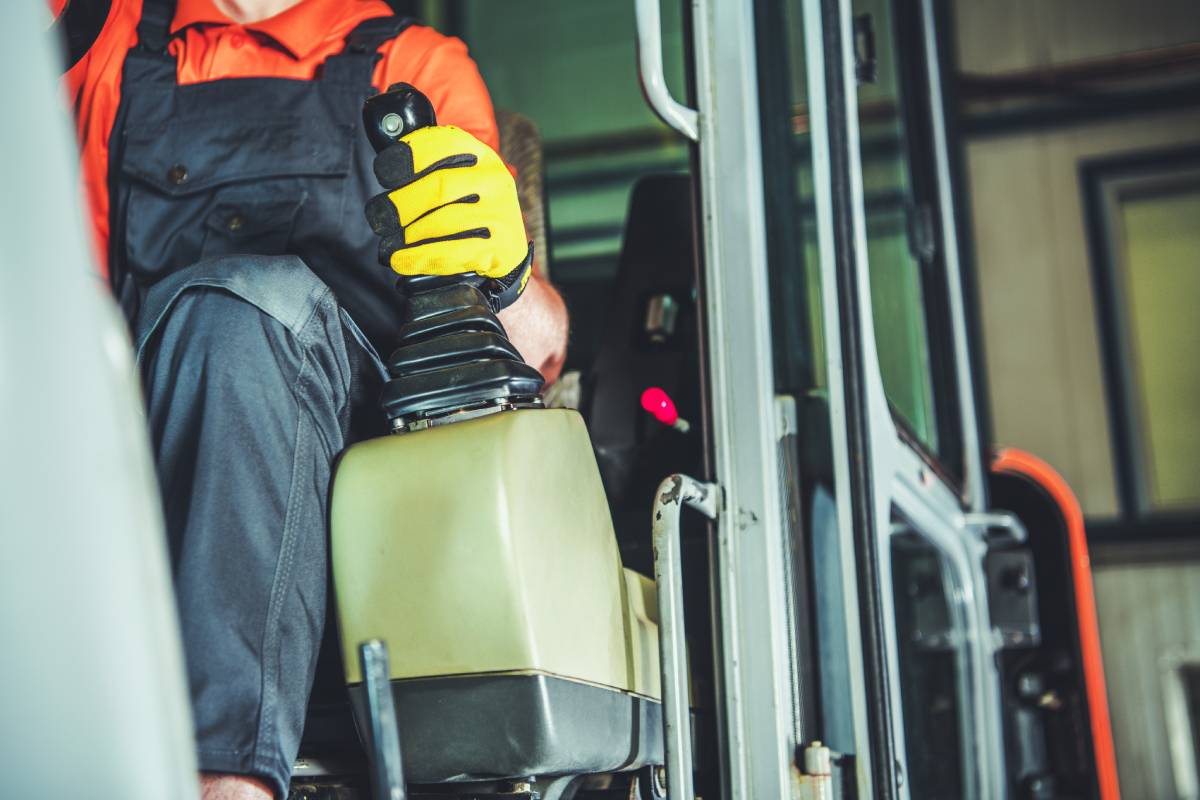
<point>660,405</point>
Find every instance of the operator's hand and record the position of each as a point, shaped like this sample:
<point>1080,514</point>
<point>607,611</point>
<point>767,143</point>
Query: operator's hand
<point>451,208</point>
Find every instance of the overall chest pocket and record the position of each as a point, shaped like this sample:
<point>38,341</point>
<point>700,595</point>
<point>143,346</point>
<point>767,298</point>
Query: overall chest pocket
<point>198,188</point>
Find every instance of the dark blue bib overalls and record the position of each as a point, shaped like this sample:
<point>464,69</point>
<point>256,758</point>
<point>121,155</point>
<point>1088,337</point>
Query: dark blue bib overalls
<point>242,258</point>
<point>268,166</point>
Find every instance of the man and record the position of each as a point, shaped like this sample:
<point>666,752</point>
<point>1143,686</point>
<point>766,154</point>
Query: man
<point>211,129</point>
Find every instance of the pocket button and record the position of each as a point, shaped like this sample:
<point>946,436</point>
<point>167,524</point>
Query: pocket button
<point>177,174</point>
<point>235,222</point>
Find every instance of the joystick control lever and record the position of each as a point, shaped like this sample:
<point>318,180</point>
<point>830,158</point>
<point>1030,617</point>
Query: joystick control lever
<point>388,117</point>
<point>454,354</point>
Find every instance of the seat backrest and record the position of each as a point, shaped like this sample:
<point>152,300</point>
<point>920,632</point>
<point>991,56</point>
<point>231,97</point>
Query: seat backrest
<point>657,267</point>
<point>521,148</point>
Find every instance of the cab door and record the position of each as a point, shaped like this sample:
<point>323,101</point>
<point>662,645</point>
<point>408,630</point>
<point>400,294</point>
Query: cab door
<point>859,567</point>
<point>903,509</point>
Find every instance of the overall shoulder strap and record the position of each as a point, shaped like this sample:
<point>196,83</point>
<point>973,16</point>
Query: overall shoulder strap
<point>154,28</point>
<point>356,63</point>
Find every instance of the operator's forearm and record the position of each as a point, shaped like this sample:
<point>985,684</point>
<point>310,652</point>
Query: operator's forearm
<point>537,325</point>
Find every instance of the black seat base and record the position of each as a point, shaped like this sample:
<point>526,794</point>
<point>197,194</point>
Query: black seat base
<point>497,727</point>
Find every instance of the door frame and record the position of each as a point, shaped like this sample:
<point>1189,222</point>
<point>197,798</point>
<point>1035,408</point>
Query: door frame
<point>885,477</point>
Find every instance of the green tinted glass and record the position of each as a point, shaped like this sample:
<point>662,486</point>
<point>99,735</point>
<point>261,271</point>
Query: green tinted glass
<point>570,67</point>
<point>1159,239</point>
<point>895,257</point>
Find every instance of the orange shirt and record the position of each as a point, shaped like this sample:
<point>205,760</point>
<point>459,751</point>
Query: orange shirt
<point>208,46</point>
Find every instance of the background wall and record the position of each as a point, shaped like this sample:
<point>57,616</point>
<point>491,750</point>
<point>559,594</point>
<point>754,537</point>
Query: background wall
<point>1150,617</point>
<point>1042,344</point>
<point>1002,35</point>
<point>1040,333</point>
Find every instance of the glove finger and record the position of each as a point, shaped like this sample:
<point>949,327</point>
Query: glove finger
<point>449,220</point>
<point>382,215</point>
<point>435,189</point>
<point>505,232</point>
<point>420,194</point>
<point>447,257</point>
<point>456,161</point>
<point>389,245</point>
<point>394,165</point>
<point>428,146</point>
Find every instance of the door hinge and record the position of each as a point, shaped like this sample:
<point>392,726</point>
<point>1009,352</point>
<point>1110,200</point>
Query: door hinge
<point>822,774</point>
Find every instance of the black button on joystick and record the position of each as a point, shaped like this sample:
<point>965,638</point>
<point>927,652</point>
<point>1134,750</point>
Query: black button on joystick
<point>395,113</point>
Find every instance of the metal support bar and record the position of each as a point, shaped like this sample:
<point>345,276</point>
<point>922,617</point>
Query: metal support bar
<point>673,493</point>
<point>387,772</point>
<point>650,72</point>
<point>975,472</point>
<point>754,695</point>
<point>999,527</point>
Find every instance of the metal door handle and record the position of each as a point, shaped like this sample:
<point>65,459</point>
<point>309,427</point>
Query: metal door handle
<point>673,493</point>
<point>650,72</point>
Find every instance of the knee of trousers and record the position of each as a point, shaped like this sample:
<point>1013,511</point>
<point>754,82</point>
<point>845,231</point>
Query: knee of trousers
<point>212,332</point>
<point>251,325</point>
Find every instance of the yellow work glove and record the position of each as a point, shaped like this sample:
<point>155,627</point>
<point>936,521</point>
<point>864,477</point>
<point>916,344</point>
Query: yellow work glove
<point>450,208</point>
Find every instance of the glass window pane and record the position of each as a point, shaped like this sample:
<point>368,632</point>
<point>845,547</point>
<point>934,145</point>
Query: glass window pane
<point>897,290</point>
<point>574,74</point>
<point>576,77</point>
<point>1161,279</point>
<point>898,310</point>
<point>897,261</point>
<point>796,285</point>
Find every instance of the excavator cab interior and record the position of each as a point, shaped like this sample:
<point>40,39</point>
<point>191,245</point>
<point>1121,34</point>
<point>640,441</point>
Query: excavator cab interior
<point>862,620</point>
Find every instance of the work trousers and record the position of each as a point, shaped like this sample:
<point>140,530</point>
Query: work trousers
<point>254,380</point>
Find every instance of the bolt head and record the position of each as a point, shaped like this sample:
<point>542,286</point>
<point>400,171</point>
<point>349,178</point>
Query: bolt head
<point>392,123</point>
